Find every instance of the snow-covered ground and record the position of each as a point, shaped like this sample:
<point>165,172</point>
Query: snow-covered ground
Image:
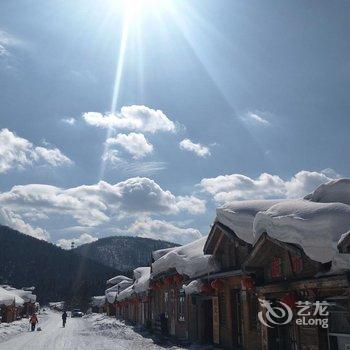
<point>90,332</point>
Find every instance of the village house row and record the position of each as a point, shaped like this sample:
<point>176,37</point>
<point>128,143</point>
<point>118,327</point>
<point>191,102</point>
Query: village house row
<point>212,291</point>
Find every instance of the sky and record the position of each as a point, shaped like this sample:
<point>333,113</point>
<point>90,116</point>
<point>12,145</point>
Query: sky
<point>141,117</point>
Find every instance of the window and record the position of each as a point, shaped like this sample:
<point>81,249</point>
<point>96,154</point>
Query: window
<point>276,267</point>
<point>253,311</point>
<point>181,306</point>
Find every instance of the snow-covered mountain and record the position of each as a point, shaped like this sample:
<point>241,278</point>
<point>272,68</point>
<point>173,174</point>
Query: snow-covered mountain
<point>122,252</point>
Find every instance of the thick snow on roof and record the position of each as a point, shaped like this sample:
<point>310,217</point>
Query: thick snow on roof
<point>98,300</point>
<point>126,293</point>
<point>157,254</point>
<point>111,297</point>
<point>142,276</point>
<point>8,298</point>
<point>188,260</point>
<point>316,227</point>
<point>118,279</point>
<point>120,286</point>
<point>239,216</point>
<point>193,287</point>
<point>331,192</point>
<point>27,296</point>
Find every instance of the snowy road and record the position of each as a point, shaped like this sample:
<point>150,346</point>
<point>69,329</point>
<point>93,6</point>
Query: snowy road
<point>93,332</point>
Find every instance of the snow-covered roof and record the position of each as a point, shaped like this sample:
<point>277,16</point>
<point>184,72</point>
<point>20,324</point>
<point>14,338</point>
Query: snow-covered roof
<point>239,216</point>
<point>126,293</point>
<point>7,298</point>
<point>142,277</point>
<point>118,279</point>
<point>120,286</point>
<point>26,295</point>
<point>187,260</point>
<point>157,254</point>
<point>111,297</point>
<point>316,227</point>
<point>98,300</point>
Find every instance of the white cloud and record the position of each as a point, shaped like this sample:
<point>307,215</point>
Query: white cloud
<point>158,229</point>
<point>70,121</point>
<point>82,239</point>
<point>136,118</point>
<point>92,205</point>
<point>18,153</point>
<point>257,118</point>
<point>6,41</point>
<point>197,148</point>
<point>134,143</point>
<point>227,188</point>
<point>13,220</point>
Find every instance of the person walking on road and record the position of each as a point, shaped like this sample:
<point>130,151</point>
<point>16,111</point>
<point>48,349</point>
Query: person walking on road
<point>64,318</point>
<point>33,322</point>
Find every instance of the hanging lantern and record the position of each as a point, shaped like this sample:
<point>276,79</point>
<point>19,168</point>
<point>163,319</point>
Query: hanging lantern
<point>289,299</point>
<point>248,283</point>
<point>158,284</point>
<point>178,279</point>
<point>206,288</point>
<point>217,284</point>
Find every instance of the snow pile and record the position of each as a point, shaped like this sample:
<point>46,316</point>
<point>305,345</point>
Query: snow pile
<point>8,330</point>
<point>98,301</point>
<point>117,279</point>
<point>188,260</point>
<point>193,287</point>
<point>239,216</point>
<point>142,277</point>
<point>126,293</point>
<point>7,298</point>
<point>57,305</point>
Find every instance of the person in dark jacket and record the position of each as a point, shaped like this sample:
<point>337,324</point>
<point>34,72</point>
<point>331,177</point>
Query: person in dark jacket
<point>64,318</point>
<point>33,321</point>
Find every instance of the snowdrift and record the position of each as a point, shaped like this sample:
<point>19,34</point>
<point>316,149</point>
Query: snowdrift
<point>187,260</point>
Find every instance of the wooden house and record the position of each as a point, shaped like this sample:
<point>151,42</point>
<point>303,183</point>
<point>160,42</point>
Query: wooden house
<point>284,273</point>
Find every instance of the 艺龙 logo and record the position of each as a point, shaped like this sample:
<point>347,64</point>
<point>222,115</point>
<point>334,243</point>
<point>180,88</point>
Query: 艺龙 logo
<point>274,314</point>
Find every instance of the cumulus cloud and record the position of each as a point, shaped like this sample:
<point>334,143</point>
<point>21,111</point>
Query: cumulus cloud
<point>134,143</point>
<point>257,118</point>
<point>19,153</point>
<point>82,239</point>
<point>13,220</point>
<point>69,121</point>
<point>227,188</point>
<point>92,205</point>
<point>135,118</point>
<point>197,148</point>
<point>158,229</point>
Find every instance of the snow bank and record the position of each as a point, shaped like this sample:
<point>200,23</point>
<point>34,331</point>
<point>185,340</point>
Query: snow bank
<point>316,227</point>
<point>7,298</point>
<point>188,260</point>
<point>193,287</point>
<point>239,216</point>
<point>126,293</point>
<point>142,277</point>
<point>117,279</point>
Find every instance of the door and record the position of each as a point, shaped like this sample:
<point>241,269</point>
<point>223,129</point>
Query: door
<point>236,319</point>
<point>208,321</point>
<point>282,338</point>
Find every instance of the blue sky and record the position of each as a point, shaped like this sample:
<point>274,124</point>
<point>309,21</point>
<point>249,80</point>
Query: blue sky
<point>217,101</point>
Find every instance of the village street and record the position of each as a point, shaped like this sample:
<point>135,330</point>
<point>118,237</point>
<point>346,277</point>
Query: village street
<point>90,332</point>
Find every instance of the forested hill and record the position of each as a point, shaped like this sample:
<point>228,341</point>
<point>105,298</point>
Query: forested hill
<point>122,252</point>
<point>57,274</point>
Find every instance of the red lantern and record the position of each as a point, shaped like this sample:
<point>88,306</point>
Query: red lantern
<point>217,284</point>
<point>289,299</point>
<point>158,284</point>
<point>178,279</point>
<point>248,283</point>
